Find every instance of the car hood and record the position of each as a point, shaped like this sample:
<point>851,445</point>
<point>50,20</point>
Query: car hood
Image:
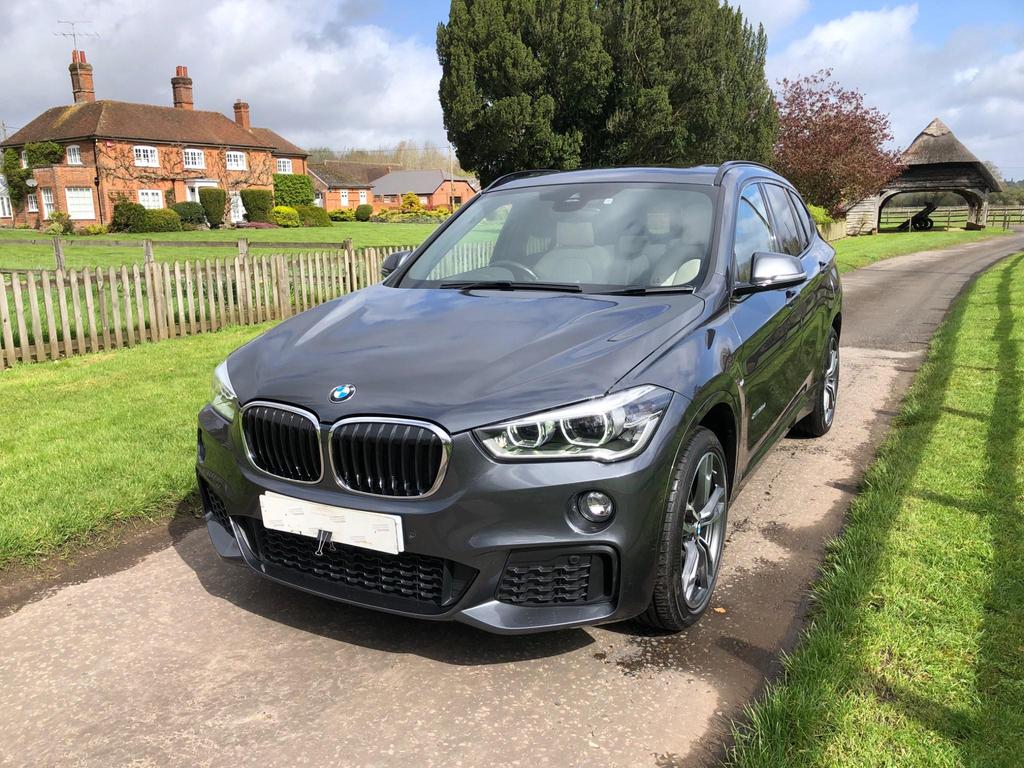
<point>459,359</point>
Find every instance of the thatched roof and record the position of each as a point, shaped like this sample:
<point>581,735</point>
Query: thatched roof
<point>936,145</point>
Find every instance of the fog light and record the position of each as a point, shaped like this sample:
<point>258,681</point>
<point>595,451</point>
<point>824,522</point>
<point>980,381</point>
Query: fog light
<point>596,507</point>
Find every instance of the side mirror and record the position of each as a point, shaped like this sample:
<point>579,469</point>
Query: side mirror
<point>393,261</point>
<point>769,271</point>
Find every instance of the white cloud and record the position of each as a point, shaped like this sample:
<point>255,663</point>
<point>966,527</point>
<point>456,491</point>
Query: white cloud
<point>774,14</point>
<point>310,70</point>
<point>973,80</point>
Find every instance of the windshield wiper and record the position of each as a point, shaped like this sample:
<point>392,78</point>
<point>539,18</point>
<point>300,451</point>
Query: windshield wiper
<point>645,290</point>
<point>512,285</point>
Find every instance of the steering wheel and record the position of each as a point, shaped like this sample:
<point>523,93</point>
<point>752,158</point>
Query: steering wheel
<point>517,269</point>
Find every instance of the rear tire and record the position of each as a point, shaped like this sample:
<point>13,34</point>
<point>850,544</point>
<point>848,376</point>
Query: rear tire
<point>692,537</point>
<point>819,421</point>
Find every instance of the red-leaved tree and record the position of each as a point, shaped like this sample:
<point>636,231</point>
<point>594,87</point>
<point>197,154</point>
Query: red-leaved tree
<point>830,144</point>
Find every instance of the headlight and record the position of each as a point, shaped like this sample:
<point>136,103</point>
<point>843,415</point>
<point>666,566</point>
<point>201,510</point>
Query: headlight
<point>222,394</point>
<point>608,428</point>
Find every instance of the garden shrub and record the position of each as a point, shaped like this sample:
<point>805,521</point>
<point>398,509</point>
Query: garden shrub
<point>364,212</point>
<point>342,214</point>
<point>213,200</point>
<point>423,216</point>
<point>55,229</point>
<point>93,229</point>
<point>162,220</point>
<point>128,217</point>
<point>293,190</point>
<point>819,214</point>
<point>190,213</point>
<point>284,216</point>
<point>62,220</point>
<point>257,204</point>
<point>313,216</point>
<point>411,203</point>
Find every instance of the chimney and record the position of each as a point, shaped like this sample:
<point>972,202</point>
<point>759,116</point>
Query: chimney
<point>181,84</point>
<point>242,113</point>
<point>81,78</point>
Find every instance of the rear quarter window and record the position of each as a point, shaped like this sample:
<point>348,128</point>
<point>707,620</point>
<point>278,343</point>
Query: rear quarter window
<point>789,234</point>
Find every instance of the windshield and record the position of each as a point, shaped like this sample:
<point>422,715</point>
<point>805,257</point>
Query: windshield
<point>596,236</point>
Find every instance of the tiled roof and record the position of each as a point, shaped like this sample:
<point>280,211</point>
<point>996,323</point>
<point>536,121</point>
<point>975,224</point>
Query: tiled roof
<point>142,122</point>
<point>280,144</point>
<point>335,177</point>
<point>420,182</point>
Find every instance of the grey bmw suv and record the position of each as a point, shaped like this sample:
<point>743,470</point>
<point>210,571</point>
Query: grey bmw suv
<point>540,416</point>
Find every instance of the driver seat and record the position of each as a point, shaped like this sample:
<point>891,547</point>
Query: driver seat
<point>575,258</point>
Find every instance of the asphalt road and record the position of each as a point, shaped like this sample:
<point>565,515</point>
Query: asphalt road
<point>174,658</point>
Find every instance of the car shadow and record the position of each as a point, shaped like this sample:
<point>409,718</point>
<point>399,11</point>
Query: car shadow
<point>446,642</point>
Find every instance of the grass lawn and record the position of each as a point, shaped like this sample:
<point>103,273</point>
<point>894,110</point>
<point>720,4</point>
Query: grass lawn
<point>80,250</point>
<point>93,440</point>
<point>914,655</point>
<point>854,252</point>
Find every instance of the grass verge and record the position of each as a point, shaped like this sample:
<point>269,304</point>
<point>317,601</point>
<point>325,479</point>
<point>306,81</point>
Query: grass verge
<point>854,252</point>
<point>80,251</point>
<point>90,441</point>
<point>914,653</point>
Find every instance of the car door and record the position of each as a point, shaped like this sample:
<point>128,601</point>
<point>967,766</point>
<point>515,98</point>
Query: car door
<point>764,326</point>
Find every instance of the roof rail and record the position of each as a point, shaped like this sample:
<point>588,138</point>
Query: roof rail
<point>728,165</point>
<point>519,175</point>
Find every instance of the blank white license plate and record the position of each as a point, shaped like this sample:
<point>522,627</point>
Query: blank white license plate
<point>370,530</point>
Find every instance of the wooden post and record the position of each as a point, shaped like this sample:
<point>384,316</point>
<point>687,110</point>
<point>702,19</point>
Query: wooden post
<point>58,253</point>
<point>5,325</point>
<point>147,251</point>
<point>243,247</point>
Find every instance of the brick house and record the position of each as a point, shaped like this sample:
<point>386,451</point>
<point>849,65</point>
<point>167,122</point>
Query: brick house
<point>149,154</point>
<point>336,185</point>
<point>434,188</point>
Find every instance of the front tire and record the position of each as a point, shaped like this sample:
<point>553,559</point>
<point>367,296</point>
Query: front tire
<point>692,537</point>
<point>819,421</point>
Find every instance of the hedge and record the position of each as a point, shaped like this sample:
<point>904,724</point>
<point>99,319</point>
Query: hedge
<point>213,200</point>
<point>293,190</point>
<point>313,216</point>
<point>257,204</point>
<point>128,217</point>
<point>190,213</point>
<point>364,212</point>
<point>284,216</point>
<point>342,214</point>
<point>819,214</point>
<point>162,220</point>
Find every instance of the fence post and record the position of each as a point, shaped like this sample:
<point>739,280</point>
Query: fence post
<point>243,247</point>
<point>58,253</point>
<point>147,251</point>
<point>350,272</point>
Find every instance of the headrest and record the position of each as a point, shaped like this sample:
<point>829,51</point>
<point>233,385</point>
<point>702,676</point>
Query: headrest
<point>574,234</point>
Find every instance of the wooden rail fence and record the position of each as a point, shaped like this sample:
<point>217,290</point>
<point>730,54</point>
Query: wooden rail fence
<point>49,314</point>
<point>953,216</point>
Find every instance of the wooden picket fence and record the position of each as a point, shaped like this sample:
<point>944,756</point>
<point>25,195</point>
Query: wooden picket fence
<point>46,315</point>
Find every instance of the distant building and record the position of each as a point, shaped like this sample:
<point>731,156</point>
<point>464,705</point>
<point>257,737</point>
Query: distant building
<point>149,154</point>
<point>434,188</point>
<point>337,185</point>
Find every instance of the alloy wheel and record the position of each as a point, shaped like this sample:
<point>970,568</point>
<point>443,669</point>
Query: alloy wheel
<point>703,530</point>
<point>831,390</point>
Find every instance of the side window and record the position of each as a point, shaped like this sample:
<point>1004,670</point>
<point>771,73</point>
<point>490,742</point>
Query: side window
<point>753,232</point>
<point>788,233</point>
<point>803,217</point>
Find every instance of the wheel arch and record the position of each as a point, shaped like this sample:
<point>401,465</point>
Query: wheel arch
<point>720,418</point>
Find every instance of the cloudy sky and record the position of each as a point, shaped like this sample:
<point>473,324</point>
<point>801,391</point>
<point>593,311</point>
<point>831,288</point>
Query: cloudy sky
<point>363,73</point>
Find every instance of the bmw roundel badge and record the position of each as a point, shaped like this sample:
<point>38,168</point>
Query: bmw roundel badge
<point>342,393</point>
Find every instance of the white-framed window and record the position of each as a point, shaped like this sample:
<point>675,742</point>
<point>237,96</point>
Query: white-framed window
<point>424,200</point>
<point>5,206</point>
<point>318,199</point>
<point>32,203</point>
<point>151,198</point>
<point>47,194</point>
<point>235,161</point>
<point>237,209</point>
<point>344,198</point>
<point>146,157</point>
<point>79,201</point>
<point>24,158</point>
<point>74,155</point>
<point>194,158</point>
<point>284,165</point>
<point>362,197</point>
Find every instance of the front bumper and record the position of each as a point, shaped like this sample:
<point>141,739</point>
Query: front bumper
<point>489,524</point>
